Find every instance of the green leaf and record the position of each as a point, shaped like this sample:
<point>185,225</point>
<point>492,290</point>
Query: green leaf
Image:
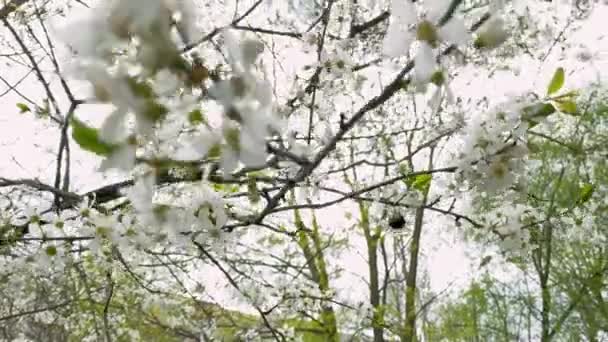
<point>538,110</point>
<point>140,89</point>
<point>556,82</point>
<point>568,107</point>
<point>196,117</point>
<point>215,151</point>
<point>88,139</point>
<point>233,138</point>
<point>535,113</point>
<point>421,182</point>
<point>23,108</point>
<point>155,111</point>
<point>570,95</point>
<point>585,193</point>
<point>404,170</point>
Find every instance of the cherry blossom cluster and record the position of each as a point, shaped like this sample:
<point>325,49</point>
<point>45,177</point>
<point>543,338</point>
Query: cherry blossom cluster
<point>134,62</point>
<point>131,55</point>
<point>494,150</point>
<point>429,25</point>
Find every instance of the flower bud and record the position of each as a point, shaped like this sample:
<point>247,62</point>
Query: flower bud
<point>426,32</point>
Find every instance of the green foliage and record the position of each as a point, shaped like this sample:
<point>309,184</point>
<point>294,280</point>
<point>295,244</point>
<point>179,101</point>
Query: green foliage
<point>196,117</point>
<point>461,320</point>
<point>140,88</point>
<point>88,138</point>
<point>311,331</point>
<point>233,138</point>
<point>215,151</point>
<point>567,106</point>
<point>556,82</point>
<point>535,113</point>
<point>586,191</point>
<point>226,188</point>
<point>420,182</point>
<point>23,108</point>
<point>564,183</point>
<point>155,111</point>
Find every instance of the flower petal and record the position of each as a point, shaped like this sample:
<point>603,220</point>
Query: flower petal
<point>234,50</point>
<point>122,159</point>
<point>403,12</point>
<point>253,149</point>
<point>250,50</point>
<point>229,160</point>
<point>455,31</point>
<point>435,9</point>
<point>113,129</point>
<point>425,63</point>
<point>397,41</point>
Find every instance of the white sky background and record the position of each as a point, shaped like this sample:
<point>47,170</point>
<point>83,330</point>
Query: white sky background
<point>27,146</point>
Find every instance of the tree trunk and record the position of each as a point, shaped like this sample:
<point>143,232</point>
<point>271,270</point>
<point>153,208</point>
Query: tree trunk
<point>374,287</point>
<point>409,331</point>
<point>544,285</point>
<point>315,259</point>
<point>409,334</point>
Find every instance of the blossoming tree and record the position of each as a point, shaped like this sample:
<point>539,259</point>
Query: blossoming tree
<point>257,148</point>
<point>565,275</point>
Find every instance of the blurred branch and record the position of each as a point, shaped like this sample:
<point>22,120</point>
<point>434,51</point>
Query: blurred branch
<point>10,7</point>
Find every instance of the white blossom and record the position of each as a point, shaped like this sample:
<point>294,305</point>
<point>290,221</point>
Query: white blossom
<point>399,36</point>
<point>455,31</point>
<point>165,82</point>
<point>405,26</point>
<point>494,154</point>
<point>425,63</point>
<point>114,130</point>
<point>141,195</point>
<point>122,159</point>
<point>492,33</point>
